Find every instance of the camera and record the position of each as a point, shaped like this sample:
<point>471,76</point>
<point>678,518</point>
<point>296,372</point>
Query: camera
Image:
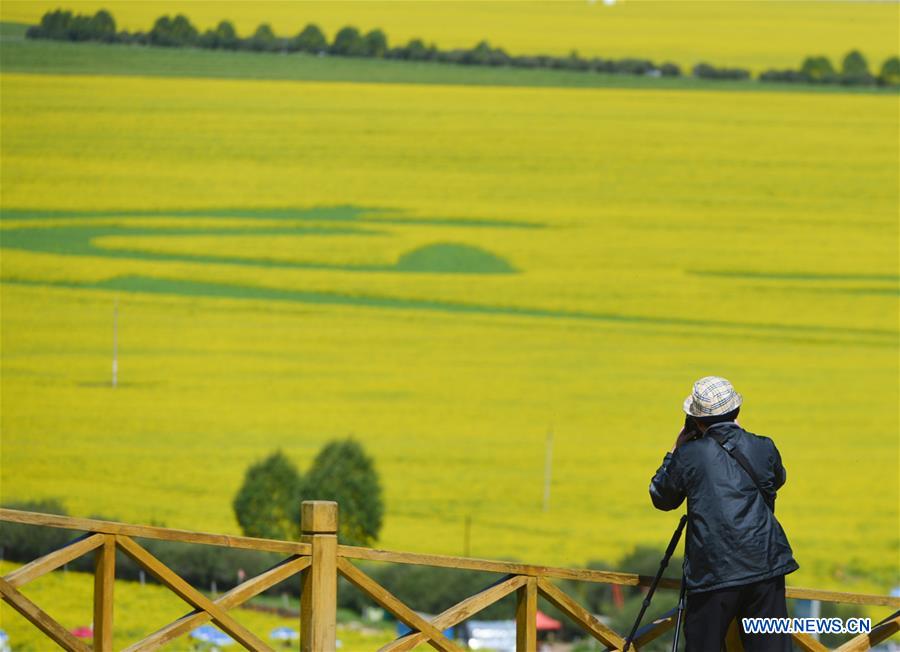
<point>690,428</point>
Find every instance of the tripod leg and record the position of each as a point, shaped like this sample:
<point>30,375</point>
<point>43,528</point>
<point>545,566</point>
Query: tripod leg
<point>676,536</point>
<point>679,613</point>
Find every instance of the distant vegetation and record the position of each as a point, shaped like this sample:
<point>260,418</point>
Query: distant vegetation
<point>854,71</point>
<point>351,42</point>
<point>267,503</point>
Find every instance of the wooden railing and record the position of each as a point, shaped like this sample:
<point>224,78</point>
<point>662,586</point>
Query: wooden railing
<point>319,559</point>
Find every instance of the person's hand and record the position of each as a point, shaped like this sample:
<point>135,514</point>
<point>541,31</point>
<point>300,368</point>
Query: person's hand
<point>683,436</point>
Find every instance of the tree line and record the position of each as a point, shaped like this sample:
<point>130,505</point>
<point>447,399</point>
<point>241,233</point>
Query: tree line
<point>854,71</point>
<point>351,42</point>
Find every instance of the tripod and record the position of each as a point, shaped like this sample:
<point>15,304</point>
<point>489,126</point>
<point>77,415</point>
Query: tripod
<point>670,550</point>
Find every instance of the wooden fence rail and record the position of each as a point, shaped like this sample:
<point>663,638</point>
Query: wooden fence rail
<point>319,560</point>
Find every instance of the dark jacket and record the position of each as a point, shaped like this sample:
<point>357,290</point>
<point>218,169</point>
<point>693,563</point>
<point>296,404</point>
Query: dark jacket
<point>733,538</point>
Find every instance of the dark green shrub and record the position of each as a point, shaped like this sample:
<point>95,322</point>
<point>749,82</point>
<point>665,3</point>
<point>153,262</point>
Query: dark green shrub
<point>669,69</point>
<point>707,71</point>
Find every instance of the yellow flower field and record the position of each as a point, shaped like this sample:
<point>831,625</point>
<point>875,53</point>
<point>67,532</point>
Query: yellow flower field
<point>755,35</point>
<point>256,237</point>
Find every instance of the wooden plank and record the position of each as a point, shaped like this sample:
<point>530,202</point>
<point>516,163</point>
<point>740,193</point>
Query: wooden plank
<point>580,615</point>
<point>148,532</point>
<point>807,643</point>
<point>797,593</point>
<point>526,617</point>
<point>40,619</point>
<point>391,603</point>
<point>233,598</point>
<point>733,638</point>
<point>318,597</point>
<point>191,595</point>
<point>879,633</point>
<point>56,559</point>
<point>503,567</point>
<point>104,581</point>
<point>459,612</point>
<point>655,628</point>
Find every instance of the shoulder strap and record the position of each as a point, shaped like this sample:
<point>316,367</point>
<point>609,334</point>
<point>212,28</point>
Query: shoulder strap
<point>739,457</point>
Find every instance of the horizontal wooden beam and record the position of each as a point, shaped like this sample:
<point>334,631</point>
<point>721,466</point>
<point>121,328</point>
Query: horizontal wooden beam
<point>797,593</point>
<point>150,532</point>
<point>233,598</point>
<point>41,619</point>
<point>503,567</point>
<point>56,559</point>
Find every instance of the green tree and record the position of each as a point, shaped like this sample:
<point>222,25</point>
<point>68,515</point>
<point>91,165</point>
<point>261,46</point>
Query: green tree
<point>349,43</point>
<point>890,71</point>
<point>264,39</point>
<point>55,24</point>
<point>855,64</point>
<point>268,503</point>
<point>344,473</point>
<point>103,26</point>
<point>173,32</point>
<point>376,43</point>
<point>818,69</point>
<point>416,50</point>
<point>311,39</point>
<point>223,36</point>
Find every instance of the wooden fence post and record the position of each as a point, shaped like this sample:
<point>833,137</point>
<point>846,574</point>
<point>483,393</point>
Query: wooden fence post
<point>104,580</point>
<point>526,617</point>
<point>318,601</point>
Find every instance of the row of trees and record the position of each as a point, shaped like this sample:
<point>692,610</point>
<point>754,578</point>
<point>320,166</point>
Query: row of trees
<point>854,71</point>
<point>350,42</point>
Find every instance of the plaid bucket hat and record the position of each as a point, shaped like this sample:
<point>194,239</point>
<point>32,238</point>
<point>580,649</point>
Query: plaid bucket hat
<point>712,397</point>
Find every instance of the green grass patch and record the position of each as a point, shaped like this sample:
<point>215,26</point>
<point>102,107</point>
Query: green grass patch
<point>449,257</point>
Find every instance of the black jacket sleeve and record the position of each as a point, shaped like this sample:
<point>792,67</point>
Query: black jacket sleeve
<point>780,473</point>
<point>666,488</point>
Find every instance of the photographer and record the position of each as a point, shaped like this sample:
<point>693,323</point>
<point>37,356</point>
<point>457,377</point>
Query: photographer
<point>736,552</point>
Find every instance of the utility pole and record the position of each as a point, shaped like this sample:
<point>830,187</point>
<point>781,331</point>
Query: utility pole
<point>467,536</point>
<point>548,469</point>
<point>115,360</point>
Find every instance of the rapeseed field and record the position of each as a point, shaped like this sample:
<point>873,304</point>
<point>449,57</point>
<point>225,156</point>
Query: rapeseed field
<point>754,35</point>
<point>282,258</point>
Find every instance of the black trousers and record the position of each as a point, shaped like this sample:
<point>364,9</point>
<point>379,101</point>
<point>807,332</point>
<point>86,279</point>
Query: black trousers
<point>708,615</point>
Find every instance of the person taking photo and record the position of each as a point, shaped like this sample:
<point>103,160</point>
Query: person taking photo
<point>736,552</point>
